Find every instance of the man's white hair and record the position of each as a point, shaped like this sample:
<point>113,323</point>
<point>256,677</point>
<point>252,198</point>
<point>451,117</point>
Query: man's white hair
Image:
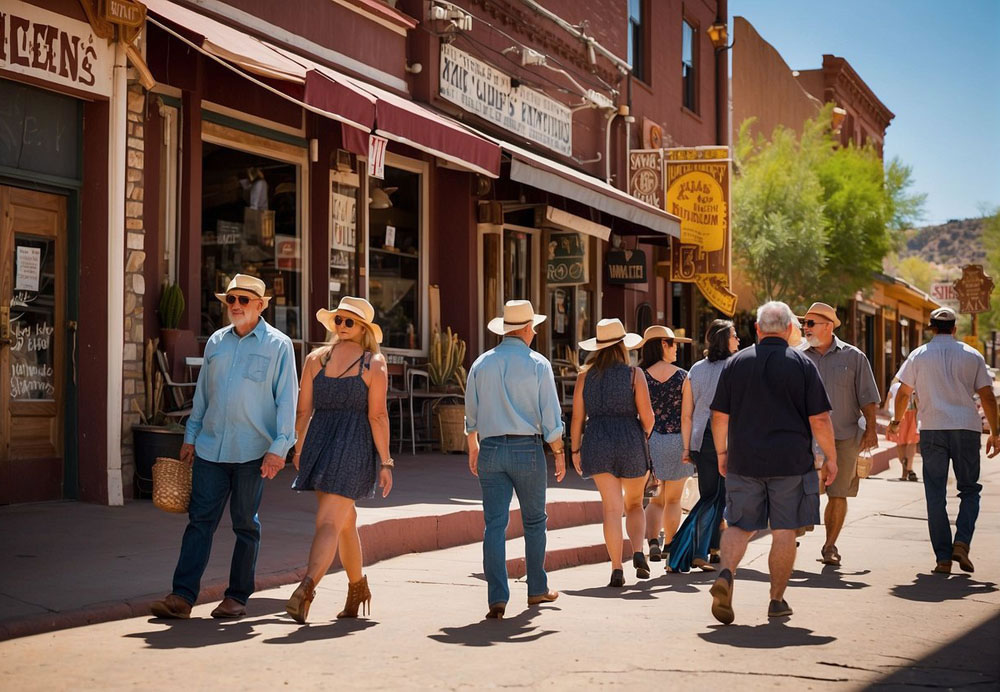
<point>774,317</point>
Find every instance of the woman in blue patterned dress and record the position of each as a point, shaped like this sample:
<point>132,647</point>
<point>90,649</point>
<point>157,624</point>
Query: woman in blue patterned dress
<point>342,445</point>
<point>665,382</point>
<point>611,399</point>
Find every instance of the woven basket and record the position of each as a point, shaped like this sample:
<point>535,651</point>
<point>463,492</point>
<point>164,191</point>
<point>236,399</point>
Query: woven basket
<point>451,424</point>
<point>864,464</point>
<point>171,485</point>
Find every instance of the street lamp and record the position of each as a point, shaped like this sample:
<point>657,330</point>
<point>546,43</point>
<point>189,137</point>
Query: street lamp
<point>718,34</point>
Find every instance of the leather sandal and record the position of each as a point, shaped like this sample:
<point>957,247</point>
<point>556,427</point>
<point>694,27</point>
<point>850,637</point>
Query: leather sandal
<point>830,556</point>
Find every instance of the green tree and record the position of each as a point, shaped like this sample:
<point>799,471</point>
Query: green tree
<point>990,319</point>
<point>917,271</point>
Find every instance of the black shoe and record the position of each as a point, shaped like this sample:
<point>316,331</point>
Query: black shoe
<point>641,566</point>
<point>618,578</point>
<point>714,558</point>
<point>654,550</point>
<point>911,476</point>
<point>778,609</point>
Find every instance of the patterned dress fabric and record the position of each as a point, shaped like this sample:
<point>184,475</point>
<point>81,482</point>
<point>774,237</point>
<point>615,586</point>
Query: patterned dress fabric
<point>338,455</point>
<point>613,440</point>
<point>665,444</point>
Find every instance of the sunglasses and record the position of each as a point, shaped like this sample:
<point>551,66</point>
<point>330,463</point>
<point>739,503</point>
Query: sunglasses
<point>813,323</point>
<point>346,321</point>
<point>244,300</point>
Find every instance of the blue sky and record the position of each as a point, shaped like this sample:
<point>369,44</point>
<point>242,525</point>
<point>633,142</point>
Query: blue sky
<point>935,64</point>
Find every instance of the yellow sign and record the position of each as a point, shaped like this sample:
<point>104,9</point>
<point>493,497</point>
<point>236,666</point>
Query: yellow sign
<point>699,201</point>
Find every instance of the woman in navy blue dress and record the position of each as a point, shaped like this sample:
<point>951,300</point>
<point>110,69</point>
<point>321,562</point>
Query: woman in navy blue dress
<point>342,445</point>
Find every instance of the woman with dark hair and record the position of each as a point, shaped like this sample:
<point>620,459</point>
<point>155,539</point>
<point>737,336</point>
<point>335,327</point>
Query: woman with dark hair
<point>611,399</point>
<point>701,530</point>
<point>665,381</point>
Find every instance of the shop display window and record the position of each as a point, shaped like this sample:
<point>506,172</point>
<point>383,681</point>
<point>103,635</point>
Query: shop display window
<point>344,240</point>
<point>250,225</point>
<point>394,257</point>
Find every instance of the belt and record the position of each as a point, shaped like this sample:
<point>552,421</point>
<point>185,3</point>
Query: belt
<point>515,437</point>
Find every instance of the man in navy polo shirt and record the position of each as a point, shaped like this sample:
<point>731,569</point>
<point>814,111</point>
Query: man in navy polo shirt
<point>769,405</point>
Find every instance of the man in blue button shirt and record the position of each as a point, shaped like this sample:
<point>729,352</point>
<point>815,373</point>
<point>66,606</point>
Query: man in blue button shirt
<point>511,405</point>
<point>241,427</point>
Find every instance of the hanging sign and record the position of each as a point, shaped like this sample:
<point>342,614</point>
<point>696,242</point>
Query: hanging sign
<point>645,178</point>
<point>697,182</point>
<point>974,289</point>
<point>126,13</point>
<point>54,48</point>
<point>566,264</point>
<point>480,88</point>
<point>376,156</point>
<point>626,266</point>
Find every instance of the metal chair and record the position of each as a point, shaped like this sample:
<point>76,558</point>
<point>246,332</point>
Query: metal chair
<point>425,396</point>
<point>396,394</point>
<point>176,400</point>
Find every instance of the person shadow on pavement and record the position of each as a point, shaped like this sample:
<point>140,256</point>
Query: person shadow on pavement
<point>510,630</point>
<point>937,588</point>
<point>774,634</point>
<point>830,577</point>
<point>642,589</point>
<point>314,632</point>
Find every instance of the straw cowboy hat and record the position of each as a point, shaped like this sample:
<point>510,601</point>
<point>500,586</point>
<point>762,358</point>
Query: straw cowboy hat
<point>516,314</point>
<point>361,308</point>
<point>825,311</point>
<point>250,284</point>
<point>659,332</point>
<point>609,333</point>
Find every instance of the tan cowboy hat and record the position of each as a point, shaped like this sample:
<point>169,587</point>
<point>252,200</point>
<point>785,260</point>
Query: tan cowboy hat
<point>659,332</point>
<point>825,311</point>
<point>250,284</point>
<point>516,314</point>
<point>356,306</point>
<point>609,333</point>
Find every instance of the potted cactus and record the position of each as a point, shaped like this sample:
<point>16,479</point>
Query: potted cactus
<point>153,437</point>
<point>176,343</point>
<point>447,374</point>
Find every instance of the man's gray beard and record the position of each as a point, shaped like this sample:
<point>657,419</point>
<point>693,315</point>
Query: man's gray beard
<point>813,341</point>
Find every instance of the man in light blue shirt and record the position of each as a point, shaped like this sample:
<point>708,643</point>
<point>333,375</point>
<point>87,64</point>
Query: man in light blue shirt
<point>511,406</point>
<point>241,427</point>
<point>945,374</point>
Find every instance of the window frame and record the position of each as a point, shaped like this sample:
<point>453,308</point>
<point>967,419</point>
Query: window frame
<point>695,106</point>
<point>641,70</point>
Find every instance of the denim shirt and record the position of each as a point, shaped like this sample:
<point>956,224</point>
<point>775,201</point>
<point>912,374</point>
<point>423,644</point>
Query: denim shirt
<point>244,404</point>
<point>511,391</point>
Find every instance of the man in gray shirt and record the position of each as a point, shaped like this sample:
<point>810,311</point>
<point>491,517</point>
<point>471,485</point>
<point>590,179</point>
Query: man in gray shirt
<point>850,384</point>
<point>946,373</point>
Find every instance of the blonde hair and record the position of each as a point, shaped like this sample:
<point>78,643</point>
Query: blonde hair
<point>368,342</point>
<point>606,357</point>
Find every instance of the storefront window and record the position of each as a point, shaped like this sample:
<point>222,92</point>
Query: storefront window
<point>395,211</point>
<point>343,235</point>
<point>250,225</point>
<point>516,265</point>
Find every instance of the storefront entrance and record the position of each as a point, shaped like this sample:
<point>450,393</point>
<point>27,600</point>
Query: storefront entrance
<point>33,344</point>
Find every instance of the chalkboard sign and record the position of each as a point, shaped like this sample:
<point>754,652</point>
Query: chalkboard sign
<point>39,131</point>
<point>626,266</point>
<point>566,264</point>
<point>32,320</point>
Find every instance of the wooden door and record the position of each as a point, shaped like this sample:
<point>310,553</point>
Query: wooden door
<point>33,333</point>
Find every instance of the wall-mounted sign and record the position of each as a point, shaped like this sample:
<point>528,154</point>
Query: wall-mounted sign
<point>974,289</point>
<point>566,263</point>
<point>943,293</point>
<point>645,178</point>
<point>54,48</point>
<point>484,90</point>
<point>626,266</point>
<point>697,182</point>
<point>124,13</point>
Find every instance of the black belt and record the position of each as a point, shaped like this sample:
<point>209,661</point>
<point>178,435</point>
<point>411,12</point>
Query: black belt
<point>514,437</point>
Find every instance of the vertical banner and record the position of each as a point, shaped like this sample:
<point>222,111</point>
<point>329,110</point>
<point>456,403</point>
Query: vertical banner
<point>376,156</point>
<point>697,192</point>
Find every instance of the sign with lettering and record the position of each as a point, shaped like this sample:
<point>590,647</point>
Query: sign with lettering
<point>343,221</point>
<point>29,267</point>
<point>626,266</point>
<point>697,180</point>
<point>376,156</point>
<point>54,48</point>
<point>124,13</point>
<point>645,178</point>
<point>484,90</point>
<point>974,289</point>
<point>566,264</point>
<point>944,294</point>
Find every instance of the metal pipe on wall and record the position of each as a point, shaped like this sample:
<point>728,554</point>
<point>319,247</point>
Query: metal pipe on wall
<point>573,31</point>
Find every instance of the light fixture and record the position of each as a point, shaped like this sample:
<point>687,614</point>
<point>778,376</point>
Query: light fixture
<point>380,198</point>
<point>414,68</point>
<point>837,118</point>
<point>718,34</point>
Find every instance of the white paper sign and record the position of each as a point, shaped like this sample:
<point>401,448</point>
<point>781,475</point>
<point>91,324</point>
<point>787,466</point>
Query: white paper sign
<point>390,236</point>
<point>29,268</point>
<point>376,156</point>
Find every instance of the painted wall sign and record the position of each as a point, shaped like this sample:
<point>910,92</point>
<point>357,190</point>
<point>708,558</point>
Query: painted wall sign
<point>566,264</point>
<point>974,289</point>
<point>484,90</point>
<point>697,181</point>
<point>645,180</point>
<point>54,48</point>
<point>626,266</point>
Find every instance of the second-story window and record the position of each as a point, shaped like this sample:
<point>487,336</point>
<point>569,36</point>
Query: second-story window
<point>689,85</point>
<point>636,39</point>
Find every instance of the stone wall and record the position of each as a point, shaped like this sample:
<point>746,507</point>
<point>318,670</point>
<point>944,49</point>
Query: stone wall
<point>133,388</point>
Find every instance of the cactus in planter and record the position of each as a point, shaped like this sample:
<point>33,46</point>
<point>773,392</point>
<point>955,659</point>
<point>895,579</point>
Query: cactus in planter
<point>171,306</point>
<point>152,415</point>
<point>447,353</point>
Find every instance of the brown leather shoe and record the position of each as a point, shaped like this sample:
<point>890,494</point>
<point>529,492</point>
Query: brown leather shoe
<point>229,608</point>
<point>960,554</point>
<point>547,597</point>
<point>943,567</point>
<point>496,611</point>
<point>173,607</point>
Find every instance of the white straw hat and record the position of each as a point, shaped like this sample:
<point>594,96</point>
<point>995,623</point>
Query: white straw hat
<point>660,332</point>
<point>356,306</point>
<point>609,333</point>
<point>516,314</point>
<point>250,284</point>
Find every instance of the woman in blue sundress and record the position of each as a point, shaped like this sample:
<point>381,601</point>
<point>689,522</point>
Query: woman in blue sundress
<point>342,445</point>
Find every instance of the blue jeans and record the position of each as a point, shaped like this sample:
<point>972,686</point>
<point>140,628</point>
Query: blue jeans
<point>211,485</point>
<point>511,464</point>
<point>936,448</point>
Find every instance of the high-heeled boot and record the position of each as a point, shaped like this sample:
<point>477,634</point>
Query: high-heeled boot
<point>358,594</point>
<point>301,599</point>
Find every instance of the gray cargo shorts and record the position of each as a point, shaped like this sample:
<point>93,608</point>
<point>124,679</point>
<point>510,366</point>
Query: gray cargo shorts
<point>781,502</point>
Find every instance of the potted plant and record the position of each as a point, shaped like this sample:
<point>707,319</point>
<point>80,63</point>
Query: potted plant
<point>153,437</point>
<point>177,343</point>
<point>447,374</point>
